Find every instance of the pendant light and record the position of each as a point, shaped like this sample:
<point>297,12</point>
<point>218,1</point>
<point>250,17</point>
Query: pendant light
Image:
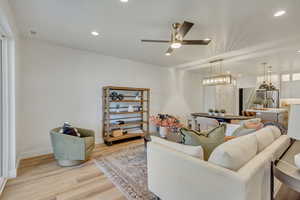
<point>218,79</point>
<point>264,85</point>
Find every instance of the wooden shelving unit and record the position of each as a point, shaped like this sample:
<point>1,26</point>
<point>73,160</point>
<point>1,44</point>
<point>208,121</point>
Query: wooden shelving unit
<point>136,120</point>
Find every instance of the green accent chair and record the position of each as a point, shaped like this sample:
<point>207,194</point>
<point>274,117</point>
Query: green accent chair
<point>70,150</point>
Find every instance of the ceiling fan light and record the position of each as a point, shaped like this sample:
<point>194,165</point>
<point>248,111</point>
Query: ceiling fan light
<point>176,45</point>
<point>279,13</point>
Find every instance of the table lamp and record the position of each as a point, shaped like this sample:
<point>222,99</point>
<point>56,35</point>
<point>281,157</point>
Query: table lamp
<point>294,127</point>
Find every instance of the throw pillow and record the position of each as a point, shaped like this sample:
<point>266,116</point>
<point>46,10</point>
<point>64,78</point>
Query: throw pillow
<point>208,140</point>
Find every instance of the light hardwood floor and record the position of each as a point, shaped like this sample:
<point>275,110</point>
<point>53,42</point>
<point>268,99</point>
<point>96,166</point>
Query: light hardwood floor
<point>41,178</point>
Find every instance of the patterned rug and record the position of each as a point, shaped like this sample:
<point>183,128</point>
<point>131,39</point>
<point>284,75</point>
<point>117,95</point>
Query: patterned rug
<point>127,169</point>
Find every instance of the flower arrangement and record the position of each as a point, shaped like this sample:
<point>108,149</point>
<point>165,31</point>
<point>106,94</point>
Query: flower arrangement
<point>164,120</point>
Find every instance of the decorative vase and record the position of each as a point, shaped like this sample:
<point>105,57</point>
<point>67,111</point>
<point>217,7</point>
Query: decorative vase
<point>163,131</point>
<point>130,108</point>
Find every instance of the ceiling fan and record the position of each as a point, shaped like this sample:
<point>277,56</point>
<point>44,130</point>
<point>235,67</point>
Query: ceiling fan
<point>179,31</point>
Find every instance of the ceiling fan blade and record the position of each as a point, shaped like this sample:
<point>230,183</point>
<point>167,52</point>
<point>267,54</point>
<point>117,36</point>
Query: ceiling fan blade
<point>169,51</point>
<point>195,42</point>
<point>157,41</point>
<point>185,28</point>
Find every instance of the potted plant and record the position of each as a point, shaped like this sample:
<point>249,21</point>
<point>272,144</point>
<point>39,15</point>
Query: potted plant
<point>217,112</point>
<point>210,111</point>
<point>223,112</point>
<point>165,122</point>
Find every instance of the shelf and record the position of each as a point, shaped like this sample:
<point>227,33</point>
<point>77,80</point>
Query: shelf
<point>126,124</point>
<point>123,137</point>
<point>125,96</point>
<point>126,113</point>
<point>126,88</point>
<point>128,101</point>
<point>137,119</point>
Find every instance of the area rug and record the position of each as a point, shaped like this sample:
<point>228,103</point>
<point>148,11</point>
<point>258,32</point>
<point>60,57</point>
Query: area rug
<point>127,169</point>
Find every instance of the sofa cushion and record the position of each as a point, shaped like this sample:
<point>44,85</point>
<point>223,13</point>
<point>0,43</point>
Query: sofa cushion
<point>265,137</point>
<point>195,151</point>
<point>208,140</point>
<point>235,153</point>
<point>272,152</point>
<point>276,131</point>
<point>241,131</point>
<point>279,146</point>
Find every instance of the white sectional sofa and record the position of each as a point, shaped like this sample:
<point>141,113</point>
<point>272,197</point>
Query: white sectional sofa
<point>236,170</point>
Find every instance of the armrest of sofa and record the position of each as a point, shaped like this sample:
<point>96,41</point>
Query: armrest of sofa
<point>173,175</point>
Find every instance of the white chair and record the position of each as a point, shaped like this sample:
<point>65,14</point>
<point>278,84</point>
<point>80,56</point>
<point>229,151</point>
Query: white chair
<point>204,123</point>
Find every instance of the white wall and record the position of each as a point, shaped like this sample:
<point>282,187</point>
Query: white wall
<point>185,93</point>
<point>61,84</point>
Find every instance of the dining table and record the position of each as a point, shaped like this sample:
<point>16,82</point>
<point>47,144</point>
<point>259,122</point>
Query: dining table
<point>228,118</point>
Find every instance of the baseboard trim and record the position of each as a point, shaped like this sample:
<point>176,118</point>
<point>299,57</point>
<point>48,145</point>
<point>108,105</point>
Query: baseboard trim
<point>41,152</point>
<point>36,153</point>
<point>2,184</point>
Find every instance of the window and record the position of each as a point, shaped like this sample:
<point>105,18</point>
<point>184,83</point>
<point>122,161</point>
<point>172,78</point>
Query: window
<point>296,77</point>
<point>285,77</point>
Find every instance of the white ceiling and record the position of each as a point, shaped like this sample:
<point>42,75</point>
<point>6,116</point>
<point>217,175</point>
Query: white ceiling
<point>232,24</point>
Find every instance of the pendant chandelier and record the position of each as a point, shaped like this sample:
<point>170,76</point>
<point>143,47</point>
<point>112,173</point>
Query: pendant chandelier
<point>217,79</point>
<point>267,83</point>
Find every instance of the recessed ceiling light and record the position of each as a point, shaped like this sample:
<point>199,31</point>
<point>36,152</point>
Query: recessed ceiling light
<point>168,54</point>
<point>207,39</point>
<point>94,33</point>
<point>279,13</point>
<point>298,51</point>
<point>124,1</point>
